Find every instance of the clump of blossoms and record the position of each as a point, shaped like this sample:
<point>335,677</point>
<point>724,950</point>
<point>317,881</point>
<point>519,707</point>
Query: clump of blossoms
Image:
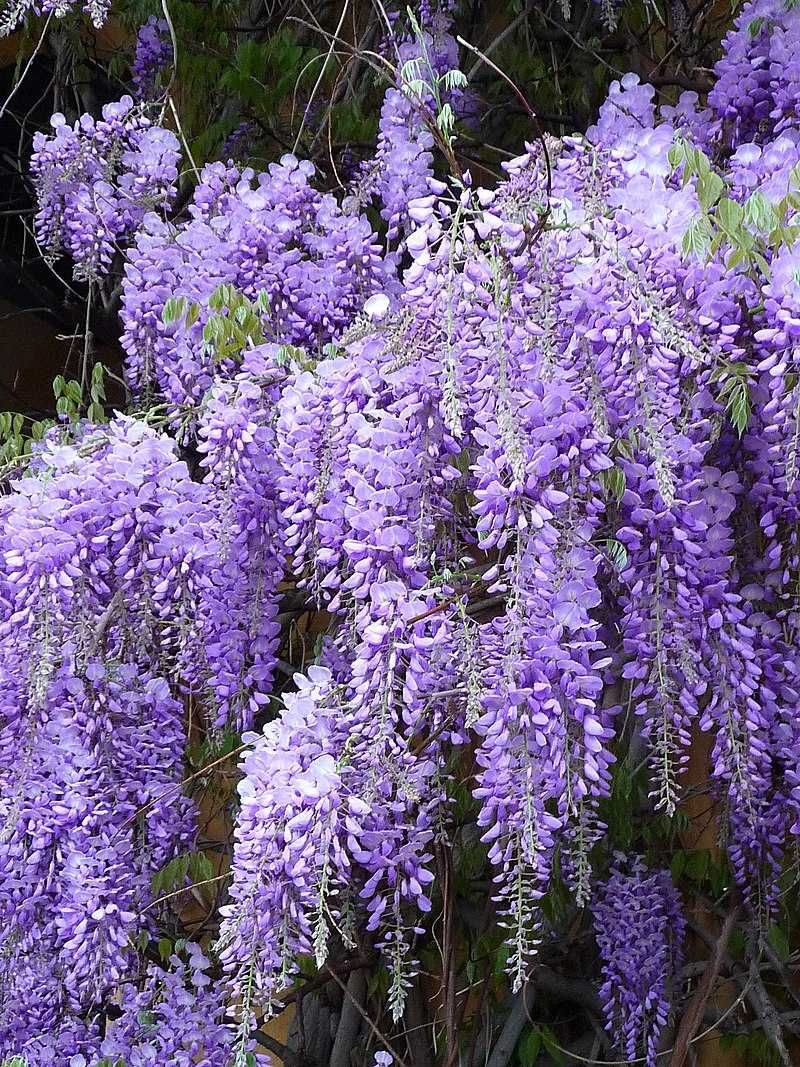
<point>153,55</point>
<point>233,663</point>
<point>95,537</point>
<point>96,180</point>
<point>542,467</point>
<point>176,1017</point>
<point>639,928</point>
<point>757,90</point>
<point>272,236</point>
<point>427,97</point>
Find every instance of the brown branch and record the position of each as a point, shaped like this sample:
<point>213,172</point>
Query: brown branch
<point>680,81</point>
<point>693,1016</point>
<point>275,1047</point>
<point>445,865</point>
<point>104,622</point>
<point>349,1020</point>
<point>330,972</point>
<point>177,787</point>
<point>381,1037</point>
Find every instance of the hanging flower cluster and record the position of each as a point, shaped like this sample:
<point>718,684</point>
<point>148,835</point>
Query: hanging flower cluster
<point>639,928</point>
<point>542,467</point>
<point>94,540</point>
<point>427,97</point>
<point>153,55</point>
<point>95,182</point>
<point>176,1017</point>
<point>757,89</point>
<point>275,239</point>
<point>233,664</point>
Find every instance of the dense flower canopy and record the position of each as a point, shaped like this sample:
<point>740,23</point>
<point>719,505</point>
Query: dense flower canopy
<point>573,396</point>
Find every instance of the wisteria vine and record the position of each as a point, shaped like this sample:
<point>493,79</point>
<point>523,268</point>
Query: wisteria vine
<point>533,453</point>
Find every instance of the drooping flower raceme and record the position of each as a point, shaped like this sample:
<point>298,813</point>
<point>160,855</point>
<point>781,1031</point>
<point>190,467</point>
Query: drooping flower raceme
<point>272,236</point>
<point>153,54</point>
<point>95,539</point>
<point>639,928</point>
<point>178,1017</point>
<point>95,181</point>
<point>428,87</point>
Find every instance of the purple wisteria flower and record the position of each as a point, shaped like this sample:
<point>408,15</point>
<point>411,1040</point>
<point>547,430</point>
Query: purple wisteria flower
<point>95,182</point>
<point>153,55</point>
<point>639,928</point>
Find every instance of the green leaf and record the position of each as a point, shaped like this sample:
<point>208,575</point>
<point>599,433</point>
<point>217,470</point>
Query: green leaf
<point>529,1047</point>
<point>618,808</point>
<point>628,446</point>
<point>445,120</point>
<point>617,553</point>
<point>709,189</point>
<point>735,392</point>
<point>677,153</point>
<point>761,263</point>
<point>697,864</point>
<point>678,865</point>
<point>759,213</point>
<point>735,258</point>
<point>200,867</point>
<point>697,239</point>
<point>779,942</point>
<point>738,407</point>
<point>730,216</point>
<point>174,309</point>
<point>551,1046</point>
<point>172,875</point>
<point>454,79</point>
<point>719,876</point>
<point>614,482</point>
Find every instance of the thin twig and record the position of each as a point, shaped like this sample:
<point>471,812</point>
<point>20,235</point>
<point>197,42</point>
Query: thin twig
<point>321,74</point>
<point>174,72</point>
<point>178,786</point>
<point>185,889</point>
<point>498,40</point>
<point>533,116</point>
<point>383,1040</point>
<point>28,66</point>
<point>183,135</point>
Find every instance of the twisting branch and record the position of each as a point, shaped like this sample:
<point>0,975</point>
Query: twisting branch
<point>693,1016</point>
